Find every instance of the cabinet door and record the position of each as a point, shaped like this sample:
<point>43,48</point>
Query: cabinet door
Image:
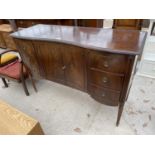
<point>73,58</point>
<point>28,56</point>
<point>50,58</point>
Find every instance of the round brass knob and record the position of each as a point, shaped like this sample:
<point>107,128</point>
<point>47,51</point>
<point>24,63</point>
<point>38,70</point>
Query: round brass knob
<point>105,79</point>
<point>103,95</point>
<point>24,48</point>
<point>106,64</point>
<point>64,67</point>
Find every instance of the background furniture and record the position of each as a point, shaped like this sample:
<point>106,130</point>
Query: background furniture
<point>131,24</point>
<point>14,122</point>
<point>100,62</point>
<point>90,22</point>
<point>16,71</point>
<point>6,40</point>
<point>24,23</point>
<point>3,21</point>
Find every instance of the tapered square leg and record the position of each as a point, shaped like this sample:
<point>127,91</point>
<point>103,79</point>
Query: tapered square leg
<point>120,110</point>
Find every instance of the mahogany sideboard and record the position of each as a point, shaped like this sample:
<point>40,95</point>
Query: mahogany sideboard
<point>98,61</point>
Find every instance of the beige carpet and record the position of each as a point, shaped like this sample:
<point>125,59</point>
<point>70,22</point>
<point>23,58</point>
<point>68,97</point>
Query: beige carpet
<point>63,110</point>
<point>140,108</point>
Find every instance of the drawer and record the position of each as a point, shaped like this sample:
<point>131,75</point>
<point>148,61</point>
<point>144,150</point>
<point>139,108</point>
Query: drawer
<point>104,79</point>
<point>105,95</point>
<point>107,62</point>
<point>147,68</point>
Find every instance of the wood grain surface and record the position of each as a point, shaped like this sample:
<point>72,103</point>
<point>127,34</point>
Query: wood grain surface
<point>14,122</point>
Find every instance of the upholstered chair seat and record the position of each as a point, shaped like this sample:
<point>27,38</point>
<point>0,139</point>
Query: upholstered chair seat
<point>7,58</point>
<point>13,70</point>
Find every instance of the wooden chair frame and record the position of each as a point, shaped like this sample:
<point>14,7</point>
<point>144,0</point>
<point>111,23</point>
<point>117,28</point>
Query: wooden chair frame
<point>22,78</point>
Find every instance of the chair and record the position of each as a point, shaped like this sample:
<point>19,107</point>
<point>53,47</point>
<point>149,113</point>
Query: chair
<point>16,71</point>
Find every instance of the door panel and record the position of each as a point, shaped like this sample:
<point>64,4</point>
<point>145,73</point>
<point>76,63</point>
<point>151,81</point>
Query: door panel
<point>50,59</point>
<point>73,58</point>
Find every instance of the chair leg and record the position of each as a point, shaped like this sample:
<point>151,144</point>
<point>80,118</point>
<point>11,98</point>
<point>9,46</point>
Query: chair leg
<point>5,83</point>
<point>24,86</point>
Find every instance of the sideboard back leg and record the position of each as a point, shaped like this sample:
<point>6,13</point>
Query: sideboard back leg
<point>33,83</point>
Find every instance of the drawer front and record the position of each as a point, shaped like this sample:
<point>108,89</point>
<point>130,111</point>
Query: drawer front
<point>108,62</point>
<point>104,95</point>
<point>106,80</point>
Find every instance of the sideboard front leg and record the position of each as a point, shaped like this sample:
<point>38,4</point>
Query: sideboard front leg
<point>120,110</point>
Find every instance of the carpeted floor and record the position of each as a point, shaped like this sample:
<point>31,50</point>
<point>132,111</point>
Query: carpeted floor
<point>63,110</point>
<point>139,111</point>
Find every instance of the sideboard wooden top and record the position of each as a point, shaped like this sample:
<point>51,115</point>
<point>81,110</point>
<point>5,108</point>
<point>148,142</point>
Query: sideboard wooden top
<point>110,40</point>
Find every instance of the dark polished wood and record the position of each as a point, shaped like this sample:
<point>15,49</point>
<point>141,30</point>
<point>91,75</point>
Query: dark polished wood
<point>105,40</point>
<point>30,22</point>
<point>2,41</point>
<point>131,24</point>
<point>94,60</point>
<point>104,95</point>
<point>4,21</point>
<point>24,23</point>
<point>108,62</point>
<point>29,56</point>
<point>74,66</point>
<point>90,22</point>
<point>106,79</point>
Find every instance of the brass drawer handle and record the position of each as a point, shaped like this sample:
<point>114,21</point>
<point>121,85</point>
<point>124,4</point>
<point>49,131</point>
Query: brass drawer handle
<point>103,95</point>
<point>64,67</point>
<point>24,48</point>
<point>105,80</point>
<point>106,64</point>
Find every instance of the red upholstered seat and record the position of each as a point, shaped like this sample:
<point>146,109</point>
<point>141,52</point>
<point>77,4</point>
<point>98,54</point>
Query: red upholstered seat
<point>12,70</point>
